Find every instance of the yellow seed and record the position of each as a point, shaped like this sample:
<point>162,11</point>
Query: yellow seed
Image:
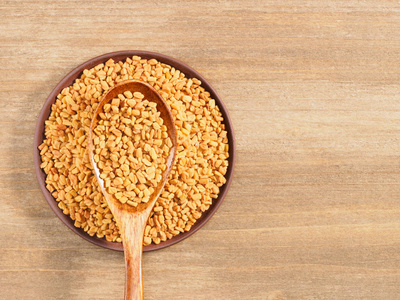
<point>130,202</point>
<point>123,199</point>
<point>128,94</point>
<point>118,181</point>
<point>196,197</point>
<point>146,162</point>
<point>146,240</point>
<point>138,95</point>
<point>115,102</point>
<point>128,131</point>
<point>135,112</point>
<point>151,170</point>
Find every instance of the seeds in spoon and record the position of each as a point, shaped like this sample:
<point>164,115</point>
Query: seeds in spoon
<point>131,147</point>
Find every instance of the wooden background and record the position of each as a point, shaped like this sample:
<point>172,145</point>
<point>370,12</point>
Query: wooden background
<point>313,89</point>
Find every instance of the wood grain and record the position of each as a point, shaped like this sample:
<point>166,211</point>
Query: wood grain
<point>313,91</point>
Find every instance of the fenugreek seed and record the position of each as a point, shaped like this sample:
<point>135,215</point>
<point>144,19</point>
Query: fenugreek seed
<point>128,131</point>
<point>116,132</point>
<point>141,178</point>
<point>130,202</point>
<point>114,157</point>
<point>146,162</point>
<point>135,112</point>
<point>151,170</point>
<point>147,147</point>
<point>128,94</point>
<point>196,197</point>
<point>153,154</point>
<point>112,190</point>
<point>115,102</point>
<point>118,181</point>
<point>146,193</point>
<point>138,95</point>
<point>131,103</point>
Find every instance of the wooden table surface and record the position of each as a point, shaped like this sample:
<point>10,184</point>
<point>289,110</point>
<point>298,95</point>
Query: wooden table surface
<point>313,90</point>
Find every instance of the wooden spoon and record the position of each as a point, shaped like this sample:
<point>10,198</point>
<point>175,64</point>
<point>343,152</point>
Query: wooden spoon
<point>132,220</point>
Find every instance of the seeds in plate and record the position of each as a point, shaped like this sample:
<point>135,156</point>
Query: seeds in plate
<point>201,158</point>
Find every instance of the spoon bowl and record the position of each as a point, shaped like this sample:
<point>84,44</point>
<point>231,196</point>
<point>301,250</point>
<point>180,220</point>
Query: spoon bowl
<point>132,220</point>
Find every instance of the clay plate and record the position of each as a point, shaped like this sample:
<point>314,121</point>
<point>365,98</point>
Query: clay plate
<point>118,56</point>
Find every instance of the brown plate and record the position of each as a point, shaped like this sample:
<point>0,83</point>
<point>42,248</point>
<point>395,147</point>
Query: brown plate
<point>118,56</point>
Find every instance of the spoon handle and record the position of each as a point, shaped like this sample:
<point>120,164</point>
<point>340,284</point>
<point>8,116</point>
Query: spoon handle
<point>132,235</point>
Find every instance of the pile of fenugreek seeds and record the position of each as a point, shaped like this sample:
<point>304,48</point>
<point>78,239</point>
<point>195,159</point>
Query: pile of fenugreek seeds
<point>131,147</point>
<point>200,164</point>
